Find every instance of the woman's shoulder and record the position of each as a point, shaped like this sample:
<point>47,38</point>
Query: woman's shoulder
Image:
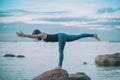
<point>43,35</point>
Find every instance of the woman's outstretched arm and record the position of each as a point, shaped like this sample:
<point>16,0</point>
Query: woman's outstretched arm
<point>21,34</point>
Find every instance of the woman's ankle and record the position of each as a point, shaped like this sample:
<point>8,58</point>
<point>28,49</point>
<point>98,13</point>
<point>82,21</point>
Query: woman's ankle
<point>96,37</point>
<point>58,67</point>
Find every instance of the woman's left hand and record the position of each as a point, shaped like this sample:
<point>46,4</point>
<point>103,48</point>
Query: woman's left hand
<point>20,34</point>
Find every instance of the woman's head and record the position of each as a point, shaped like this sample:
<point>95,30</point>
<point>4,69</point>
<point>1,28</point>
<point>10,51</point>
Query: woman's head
<point>36,31</point>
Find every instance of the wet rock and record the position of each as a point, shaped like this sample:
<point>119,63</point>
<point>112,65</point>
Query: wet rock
<point>20,56</point>
<point>108,60</point>
<point>56,74</point>
<point>9,55</point>
<point>78,76</point>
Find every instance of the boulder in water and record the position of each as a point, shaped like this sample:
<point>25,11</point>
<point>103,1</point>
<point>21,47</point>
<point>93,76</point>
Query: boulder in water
<point>78,76</point>
<point>108,60</point>
<point>20,56</point>
<point>9,55</point>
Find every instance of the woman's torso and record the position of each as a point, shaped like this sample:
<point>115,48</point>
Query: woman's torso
<point>51,38</point>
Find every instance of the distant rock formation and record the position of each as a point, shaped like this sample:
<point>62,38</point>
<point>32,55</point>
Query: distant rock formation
<point>12,55</point>
<point>60,74</point>
<point>20,56</point>
<point>9,55</point>
<point>108,60</point>
<point>85,63</point>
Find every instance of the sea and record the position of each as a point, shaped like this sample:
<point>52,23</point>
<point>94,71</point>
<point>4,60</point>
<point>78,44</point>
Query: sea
<point>42,56</point>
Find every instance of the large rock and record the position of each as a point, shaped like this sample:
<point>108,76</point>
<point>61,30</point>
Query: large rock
<point>78,76</point>
<point>56,74</point>
<point>108,60</point>
<point>60,74</point>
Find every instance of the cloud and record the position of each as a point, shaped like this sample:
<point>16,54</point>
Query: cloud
<point>105,22</point>
<point>68,19</point>
<point>62,18</point>
<point>118,27</point>
<point>54,12</point>
<point>101,28</point>
<point>107,10</point>
<point>12,12</point>
<point>5,15</point>
<point>20,12</point>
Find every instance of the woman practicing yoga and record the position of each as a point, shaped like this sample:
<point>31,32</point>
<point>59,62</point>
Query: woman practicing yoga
<point>61,38</point>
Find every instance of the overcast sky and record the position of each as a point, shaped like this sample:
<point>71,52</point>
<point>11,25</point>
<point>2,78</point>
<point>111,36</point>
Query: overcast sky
<point>102,15</point>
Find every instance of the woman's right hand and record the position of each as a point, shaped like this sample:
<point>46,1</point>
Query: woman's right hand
<point>20,34</point>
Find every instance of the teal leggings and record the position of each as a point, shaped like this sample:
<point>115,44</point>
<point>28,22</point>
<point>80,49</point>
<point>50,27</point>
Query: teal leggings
<point>63,38</point>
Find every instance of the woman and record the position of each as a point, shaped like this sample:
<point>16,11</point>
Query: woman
<point>61,38</point>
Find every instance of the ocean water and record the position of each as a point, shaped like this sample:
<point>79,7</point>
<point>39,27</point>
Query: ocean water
<point>41,56</point>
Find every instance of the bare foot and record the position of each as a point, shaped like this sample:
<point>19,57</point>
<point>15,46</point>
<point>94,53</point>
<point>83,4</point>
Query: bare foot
<point>96,37</point>
<point>58,67</point>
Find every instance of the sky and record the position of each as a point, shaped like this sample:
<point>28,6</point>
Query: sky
<point>53,16</point>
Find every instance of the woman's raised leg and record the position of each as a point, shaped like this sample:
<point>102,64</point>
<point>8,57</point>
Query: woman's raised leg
<point>76,37</point>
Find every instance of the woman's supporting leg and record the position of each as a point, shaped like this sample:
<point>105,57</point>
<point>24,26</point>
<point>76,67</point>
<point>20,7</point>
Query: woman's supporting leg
<point>62,40</point>
<point>76,37</point>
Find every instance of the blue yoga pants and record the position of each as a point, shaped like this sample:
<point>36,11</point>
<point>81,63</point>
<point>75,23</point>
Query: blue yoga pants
<point>63,38</point>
